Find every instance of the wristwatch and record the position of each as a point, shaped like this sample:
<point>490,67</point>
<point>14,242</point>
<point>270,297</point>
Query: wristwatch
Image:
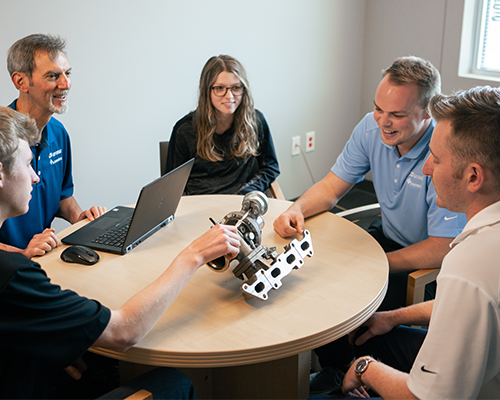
<point>362,366</point>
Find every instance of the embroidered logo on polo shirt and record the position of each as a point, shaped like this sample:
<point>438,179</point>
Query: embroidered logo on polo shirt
<point>58,154</point>
<point>423,369</point>
<point>415,180</point>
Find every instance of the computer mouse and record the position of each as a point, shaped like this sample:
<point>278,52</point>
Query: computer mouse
<point>80,255</point>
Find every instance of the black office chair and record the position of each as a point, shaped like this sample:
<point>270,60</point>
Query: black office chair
<point>163,157</point>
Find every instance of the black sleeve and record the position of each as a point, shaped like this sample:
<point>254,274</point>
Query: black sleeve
<point>42,322</point>
<point>183,143</point>
<point>268,168</point>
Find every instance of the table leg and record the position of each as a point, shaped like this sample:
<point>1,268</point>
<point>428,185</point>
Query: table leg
<point>287,378</point>
<point>129,371</point>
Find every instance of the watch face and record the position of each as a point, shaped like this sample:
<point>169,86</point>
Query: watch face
<point>361,365</point>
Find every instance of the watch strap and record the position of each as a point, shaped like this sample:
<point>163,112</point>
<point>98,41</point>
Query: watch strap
<point>358,374</point>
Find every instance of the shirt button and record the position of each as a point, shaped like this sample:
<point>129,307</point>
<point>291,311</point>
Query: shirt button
<point>398,165</point>
<point>395,181</point>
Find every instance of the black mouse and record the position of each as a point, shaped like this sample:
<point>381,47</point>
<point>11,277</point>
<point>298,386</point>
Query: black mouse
<point>80,255</point>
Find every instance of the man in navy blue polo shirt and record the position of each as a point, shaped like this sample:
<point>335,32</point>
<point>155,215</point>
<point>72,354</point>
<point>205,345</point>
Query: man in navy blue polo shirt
<point>40,71</point>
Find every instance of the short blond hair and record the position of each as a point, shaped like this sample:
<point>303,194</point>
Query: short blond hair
<point>474,116</point>
<point>14,126</point>
<point>416,70</point>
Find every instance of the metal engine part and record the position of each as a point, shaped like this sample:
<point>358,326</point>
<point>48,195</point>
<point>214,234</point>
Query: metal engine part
<point>260,267</point>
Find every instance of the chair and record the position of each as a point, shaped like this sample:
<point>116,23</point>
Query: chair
<point>140,395</point>
<point>417,280</point>
<point>163,157</point>
<point>273,191</point>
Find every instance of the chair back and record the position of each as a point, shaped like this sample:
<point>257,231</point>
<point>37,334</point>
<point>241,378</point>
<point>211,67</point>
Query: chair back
<point>274,191</point>
<point>163,157</point>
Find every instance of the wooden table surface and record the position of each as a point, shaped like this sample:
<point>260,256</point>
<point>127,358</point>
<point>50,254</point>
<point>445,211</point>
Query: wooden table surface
<point>211,324</point>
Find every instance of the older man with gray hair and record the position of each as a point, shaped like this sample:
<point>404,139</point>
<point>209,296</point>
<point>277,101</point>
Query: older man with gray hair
<point>41,72</point>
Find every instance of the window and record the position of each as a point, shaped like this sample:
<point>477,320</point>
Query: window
<point>479,52</point>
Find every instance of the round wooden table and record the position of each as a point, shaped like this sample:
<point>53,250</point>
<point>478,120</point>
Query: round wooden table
<point>211,324</point>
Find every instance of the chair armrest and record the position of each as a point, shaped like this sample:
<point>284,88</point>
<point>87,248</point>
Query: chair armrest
<point>275,191</point>
<point>371,210</point>
<point>140,395</point>
<point>416,284</point>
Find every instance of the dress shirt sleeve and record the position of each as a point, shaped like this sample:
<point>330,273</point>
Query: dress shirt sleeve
<point>461,352</point>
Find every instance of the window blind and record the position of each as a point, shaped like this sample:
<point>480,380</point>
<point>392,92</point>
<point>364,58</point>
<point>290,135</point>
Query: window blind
<point>489,58</point>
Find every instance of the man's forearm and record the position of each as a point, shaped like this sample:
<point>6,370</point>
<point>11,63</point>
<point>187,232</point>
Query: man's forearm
<point>7,247</point>
<point>322,196</point>
<point>426,254</point>
<point>416,314</point>
<point>312,203</point>
<point>388,382</point>
<point>137,316</point>
<point>69,209</point>
<point>383,322</point>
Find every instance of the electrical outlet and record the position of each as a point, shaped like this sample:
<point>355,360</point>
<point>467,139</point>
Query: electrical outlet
<point>295,145</point>
<point>310,141</point>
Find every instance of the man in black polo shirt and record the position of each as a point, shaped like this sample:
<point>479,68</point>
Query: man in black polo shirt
<point>45,330</point>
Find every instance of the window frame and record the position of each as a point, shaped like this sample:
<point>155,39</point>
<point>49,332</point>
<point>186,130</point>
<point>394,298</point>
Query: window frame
<point>472,36</point>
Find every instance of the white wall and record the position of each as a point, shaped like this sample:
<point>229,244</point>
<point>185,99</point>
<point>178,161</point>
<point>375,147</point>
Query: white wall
<point>312,65</point>
<point>430,29</point>
<point>396,28</point>
<point>136,66</point>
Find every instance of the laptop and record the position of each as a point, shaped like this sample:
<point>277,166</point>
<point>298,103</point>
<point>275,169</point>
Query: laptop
<point>123,228</point>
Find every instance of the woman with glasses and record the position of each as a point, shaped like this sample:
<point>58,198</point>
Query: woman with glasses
<point>229,139</point>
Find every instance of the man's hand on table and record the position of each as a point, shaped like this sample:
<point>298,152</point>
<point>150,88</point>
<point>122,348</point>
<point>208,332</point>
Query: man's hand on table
<point>42,243</point>
<point>290,223</point>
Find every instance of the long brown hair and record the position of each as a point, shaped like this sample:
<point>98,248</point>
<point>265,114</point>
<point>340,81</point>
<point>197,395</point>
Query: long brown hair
<point>245,142</point>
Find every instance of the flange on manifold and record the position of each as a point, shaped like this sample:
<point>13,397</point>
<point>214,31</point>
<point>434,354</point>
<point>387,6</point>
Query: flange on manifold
<point>260,267</point>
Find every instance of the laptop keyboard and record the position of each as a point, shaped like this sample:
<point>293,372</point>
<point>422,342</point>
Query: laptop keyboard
<point>114,237</point>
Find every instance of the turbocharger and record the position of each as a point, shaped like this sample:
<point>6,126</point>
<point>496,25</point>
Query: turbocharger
<point>260,267</point>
